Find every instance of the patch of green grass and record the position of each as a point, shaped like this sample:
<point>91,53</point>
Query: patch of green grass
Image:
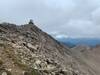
<point>34,72</point>
<point>2,45</point>
<point>1,62</point>
<point>31,72</point>
<point>15,59</point>
<point>21,65</point>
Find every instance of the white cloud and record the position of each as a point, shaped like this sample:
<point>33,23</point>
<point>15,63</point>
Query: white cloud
<point>60,4</point>
<point>82,28</point>
<point>67,18</point>
<point>96,16</point>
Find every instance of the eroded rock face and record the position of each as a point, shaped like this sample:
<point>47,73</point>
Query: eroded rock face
<point>26,46</point>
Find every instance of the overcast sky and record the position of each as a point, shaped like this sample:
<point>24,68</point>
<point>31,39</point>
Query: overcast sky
<point>60,18</point>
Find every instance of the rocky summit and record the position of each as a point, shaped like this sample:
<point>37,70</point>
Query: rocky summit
<point>27,50</point>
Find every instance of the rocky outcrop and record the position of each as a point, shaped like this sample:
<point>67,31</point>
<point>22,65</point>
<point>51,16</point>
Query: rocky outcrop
<point>27,50</point>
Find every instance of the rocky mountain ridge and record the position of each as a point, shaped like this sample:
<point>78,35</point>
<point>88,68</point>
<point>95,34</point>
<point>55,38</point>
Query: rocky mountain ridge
<point>27,50</point>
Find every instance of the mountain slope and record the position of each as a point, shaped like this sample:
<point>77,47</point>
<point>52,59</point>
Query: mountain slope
<point>90,56</point>
<point>27,50</point>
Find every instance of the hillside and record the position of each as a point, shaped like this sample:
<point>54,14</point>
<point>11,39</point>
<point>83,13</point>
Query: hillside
<point>27,50</point>
<point>89,56</point>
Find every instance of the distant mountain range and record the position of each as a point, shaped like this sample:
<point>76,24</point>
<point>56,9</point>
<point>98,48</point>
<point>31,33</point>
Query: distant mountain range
<point>71,42</point>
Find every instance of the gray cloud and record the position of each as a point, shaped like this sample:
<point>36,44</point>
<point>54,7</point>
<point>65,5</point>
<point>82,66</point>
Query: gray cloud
<point>72,18</point>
